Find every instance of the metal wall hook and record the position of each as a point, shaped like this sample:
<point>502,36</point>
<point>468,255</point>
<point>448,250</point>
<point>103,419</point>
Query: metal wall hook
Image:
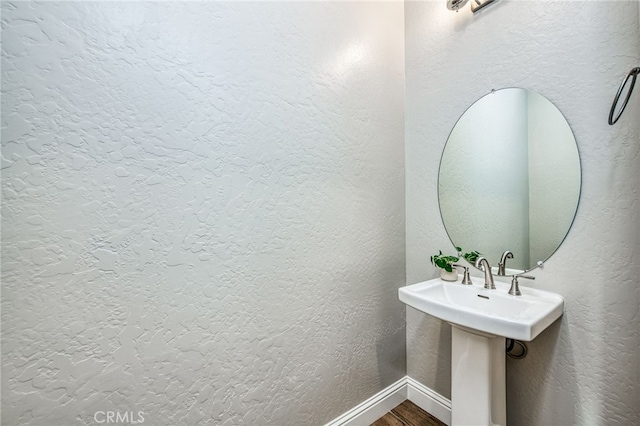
<point>631,74</point>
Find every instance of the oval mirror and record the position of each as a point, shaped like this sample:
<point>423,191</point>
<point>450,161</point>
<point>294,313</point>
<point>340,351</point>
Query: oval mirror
<point>510,178</point>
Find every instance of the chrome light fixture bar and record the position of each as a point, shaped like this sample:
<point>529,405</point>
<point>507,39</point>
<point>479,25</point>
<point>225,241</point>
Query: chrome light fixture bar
<point>476,5</point>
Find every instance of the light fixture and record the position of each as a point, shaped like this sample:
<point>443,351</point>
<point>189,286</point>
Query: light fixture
<point>476,5</point>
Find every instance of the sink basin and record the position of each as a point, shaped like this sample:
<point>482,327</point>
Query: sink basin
<point>494,312</point>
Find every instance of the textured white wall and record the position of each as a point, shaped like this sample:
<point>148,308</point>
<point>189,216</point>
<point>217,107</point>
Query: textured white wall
<point>584,370</point>
<point>203,210</point>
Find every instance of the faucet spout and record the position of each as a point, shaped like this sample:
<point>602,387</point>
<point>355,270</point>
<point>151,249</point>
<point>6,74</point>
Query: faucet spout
<point>483,264</point>
<point>502,265</point>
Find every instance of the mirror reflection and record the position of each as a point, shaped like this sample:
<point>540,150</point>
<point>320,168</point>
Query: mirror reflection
<point>509,178</point>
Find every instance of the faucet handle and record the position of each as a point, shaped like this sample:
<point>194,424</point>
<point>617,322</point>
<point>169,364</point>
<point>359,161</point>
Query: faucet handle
<point>515,288</point>
<point>466,277</point>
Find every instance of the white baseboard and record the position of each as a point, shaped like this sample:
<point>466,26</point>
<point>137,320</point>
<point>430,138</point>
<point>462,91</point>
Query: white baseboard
<point>429,400</point>
<point>381,403</point>
<point>375,407</point>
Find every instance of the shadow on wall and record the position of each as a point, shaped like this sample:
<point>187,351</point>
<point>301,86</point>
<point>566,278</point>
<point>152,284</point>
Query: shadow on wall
<point>443,361</point>
<point>539,364</point>
<point>436,376</point>
<point>391,354</point>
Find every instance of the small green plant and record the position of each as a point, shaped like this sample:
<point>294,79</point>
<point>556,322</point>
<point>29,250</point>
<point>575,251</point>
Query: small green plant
<point>443,261</point>
<point>446,262</point>
<point>471,256</point>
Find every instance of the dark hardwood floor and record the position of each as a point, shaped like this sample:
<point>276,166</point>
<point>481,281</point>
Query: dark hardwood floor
<point>407,414</point>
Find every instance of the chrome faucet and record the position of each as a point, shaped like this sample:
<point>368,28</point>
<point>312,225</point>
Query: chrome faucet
<point>483,264</point>
<point>502,265</point>
<point>466,277</point>
<point>515,289</point>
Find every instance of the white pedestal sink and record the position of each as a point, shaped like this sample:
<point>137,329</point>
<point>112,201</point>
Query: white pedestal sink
<point>481,320</point>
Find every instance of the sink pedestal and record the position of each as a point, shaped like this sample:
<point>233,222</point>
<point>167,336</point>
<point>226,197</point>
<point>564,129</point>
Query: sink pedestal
<point>478,378</point>
<point>481,321</point>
